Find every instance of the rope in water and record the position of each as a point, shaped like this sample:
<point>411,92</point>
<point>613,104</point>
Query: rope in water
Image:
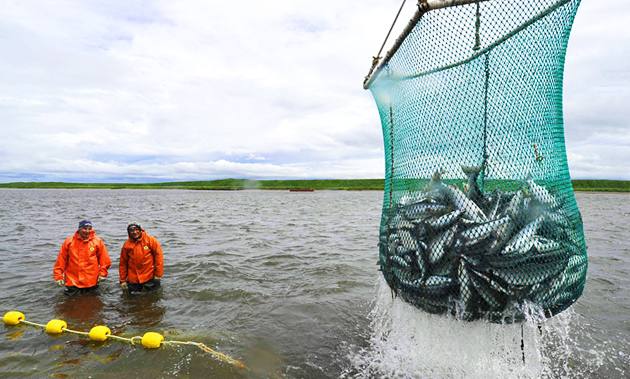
<point>149,340</point>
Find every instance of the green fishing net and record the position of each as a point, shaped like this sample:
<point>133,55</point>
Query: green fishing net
<point>479,216</point>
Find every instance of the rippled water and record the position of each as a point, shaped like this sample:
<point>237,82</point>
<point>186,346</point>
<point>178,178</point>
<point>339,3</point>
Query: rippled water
<point>288,283</point>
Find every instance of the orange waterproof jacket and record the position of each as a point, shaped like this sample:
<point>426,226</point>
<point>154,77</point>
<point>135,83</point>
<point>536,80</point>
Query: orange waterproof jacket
<point>80,262</point>
<point>141,261</point>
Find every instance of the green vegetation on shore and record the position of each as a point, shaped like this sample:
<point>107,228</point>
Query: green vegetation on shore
<point>223,184</point>
<point>602,185</point>
<point>327,184</point>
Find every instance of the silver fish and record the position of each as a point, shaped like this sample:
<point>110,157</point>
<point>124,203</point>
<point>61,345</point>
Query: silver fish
<point>407,240</point>
<point>555,293</point>
<point>482,231</point>
<point>576,263</point>
<point>467,292</point>
<point>540,193</point>
<point>393,221</point>
<point>417,211</point>
<point>422,266</point>
<point>400,261</point>
<point>544,245</point>
<point>438,281</point>
<point>495,285</point>
<point>527,274</point>
<point>444,267</point>
<point>473,191</point>
<point>444,221</point>
<point>462,202</point>
<point>407,278</point>
<point>558,218</point>
<point>514,206</point>
<point>404,224</point>
<point>523,240</point>
<point>502,236</point>
<point>494,206</point>
<point>415,197</point>
<point>402,251</point>
<point>492,297</point>
<point>437,286</point>
<point>437,247</point>
<point>422,246</point>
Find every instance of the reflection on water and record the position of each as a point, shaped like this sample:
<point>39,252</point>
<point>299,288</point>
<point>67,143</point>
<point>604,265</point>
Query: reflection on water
<point>143,310</point>
<point>83,309</point>
<point>139,311</point>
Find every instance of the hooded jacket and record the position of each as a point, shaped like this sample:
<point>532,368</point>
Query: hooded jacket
<point>80,262</point>
<point>142,260</point>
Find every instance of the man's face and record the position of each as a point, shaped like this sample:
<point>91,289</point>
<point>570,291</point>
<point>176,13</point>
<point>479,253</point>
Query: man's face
<point>84,232</point>
<point>135,233</point>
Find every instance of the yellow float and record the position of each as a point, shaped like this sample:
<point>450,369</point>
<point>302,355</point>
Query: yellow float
<point>101,333</point>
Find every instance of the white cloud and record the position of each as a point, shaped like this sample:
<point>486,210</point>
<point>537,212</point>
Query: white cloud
<point>180,90</point>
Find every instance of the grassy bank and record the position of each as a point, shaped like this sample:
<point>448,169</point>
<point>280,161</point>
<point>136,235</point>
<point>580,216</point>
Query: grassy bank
<point>602,185</point>
<point>330,184</point>
<point>223,184</point>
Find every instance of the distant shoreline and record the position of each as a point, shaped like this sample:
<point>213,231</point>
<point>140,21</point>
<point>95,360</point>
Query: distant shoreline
<point>300,185</point>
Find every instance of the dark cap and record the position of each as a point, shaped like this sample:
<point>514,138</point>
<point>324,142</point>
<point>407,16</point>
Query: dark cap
<point>133,225</point>
<point>85,223</point>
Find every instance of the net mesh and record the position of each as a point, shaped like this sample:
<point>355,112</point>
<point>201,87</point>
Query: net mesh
<point>479,216</point>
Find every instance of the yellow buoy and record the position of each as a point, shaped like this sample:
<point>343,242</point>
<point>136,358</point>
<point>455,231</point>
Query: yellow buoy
<point>152,340</point>
<point>13,317</point>
<point>99,333</point>
<point>56,326</point>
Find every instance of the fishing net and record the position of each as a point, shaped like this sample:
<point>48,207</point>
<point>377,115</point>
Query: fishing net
<point>479,216</point>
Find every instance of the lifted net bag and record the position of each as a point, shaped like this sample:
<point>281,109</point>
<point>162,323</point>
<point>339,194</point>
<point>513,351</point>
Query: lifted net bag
<point>479,216</point>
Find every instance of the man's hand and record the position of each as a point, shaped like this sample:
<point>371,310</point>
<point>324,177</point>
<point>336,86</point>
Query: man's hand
<point>123,286</point>
<point>98,280</point>
<point>60,282</point>
<point>158,278</point>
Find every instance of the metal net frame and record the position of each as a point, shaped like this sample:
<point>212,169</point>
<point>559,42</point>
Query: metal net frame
<point>479,216</point>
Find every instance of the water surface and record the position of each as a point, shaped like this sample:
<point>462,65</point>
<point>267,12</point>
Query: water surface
<point>286,282</point>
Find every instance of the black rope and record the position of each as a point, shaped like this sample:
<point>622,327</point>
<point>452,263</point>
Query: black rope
<point>522,343</point>
<point>378,56</point>
<point>391,149</point>
<point>485,119</point>
<point>477,26</point>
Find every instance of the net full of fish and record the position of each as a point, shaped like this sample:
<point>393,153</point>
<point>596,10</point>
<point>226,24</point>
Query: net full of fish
<point>482,255</point>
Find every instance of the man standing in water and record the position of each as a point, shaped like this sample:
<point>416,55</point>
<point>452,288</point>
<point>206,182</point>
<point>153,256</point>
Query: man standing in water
<point>141,261</point>
<point>82,261</point>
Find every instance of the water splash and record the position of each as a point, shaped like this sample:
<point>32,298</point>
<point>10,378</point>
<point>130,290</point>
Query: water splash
<point>407,343</point>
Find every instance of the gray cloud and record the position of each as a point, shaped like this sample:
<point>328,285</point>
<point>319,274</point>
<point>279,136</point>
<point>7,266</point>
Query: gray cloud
<point>205,89</point>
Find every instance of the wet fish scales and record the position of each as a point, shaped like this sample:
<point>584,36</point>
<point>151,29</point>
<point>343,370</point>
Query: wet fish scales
<point>493,298</point>
<point>443,221</point>
<point>540,193</point>
<point>527,274</point>
<point>481,231</point>
<point>437,247</point>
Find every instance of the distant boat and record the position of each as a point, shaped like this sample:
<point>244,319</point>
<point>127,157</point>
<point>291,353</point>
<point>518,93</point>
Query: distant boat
<point>301,190</point>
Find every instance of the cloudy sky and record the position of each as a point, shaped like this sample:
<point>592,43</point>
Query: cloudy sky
<point>197,90</point>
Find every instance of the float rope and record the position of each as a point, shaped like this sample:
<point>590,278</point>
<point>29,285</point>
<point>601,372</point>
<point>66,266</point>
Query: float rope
<point>149,340</point>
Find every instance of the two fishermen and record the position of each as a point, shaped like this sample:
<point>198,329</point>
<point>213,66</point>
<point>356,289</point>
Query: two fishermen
<point>83,261</point>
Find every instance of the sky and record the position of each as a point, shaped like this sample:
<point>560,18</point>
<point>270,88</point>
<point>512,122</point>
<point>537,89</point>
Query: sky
<point>145,91</point>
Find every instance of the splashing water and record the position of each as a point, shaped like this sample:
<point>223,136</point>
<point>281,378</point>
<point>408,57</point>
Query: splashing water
<point>407,343</point>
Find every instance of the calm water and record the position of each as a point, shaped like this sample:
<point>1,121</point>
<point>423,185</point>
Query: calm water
<point>288,283</point>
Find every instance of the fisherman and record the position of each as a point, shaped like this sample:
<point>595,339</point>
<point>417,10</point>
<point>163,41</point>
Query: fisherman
<point>141,261</point>
<point>82,261</point>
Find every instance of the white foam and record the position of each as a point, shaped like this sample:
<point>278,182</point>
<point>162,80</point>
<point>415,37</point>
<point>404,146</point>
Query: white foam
<point>408,343</point>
